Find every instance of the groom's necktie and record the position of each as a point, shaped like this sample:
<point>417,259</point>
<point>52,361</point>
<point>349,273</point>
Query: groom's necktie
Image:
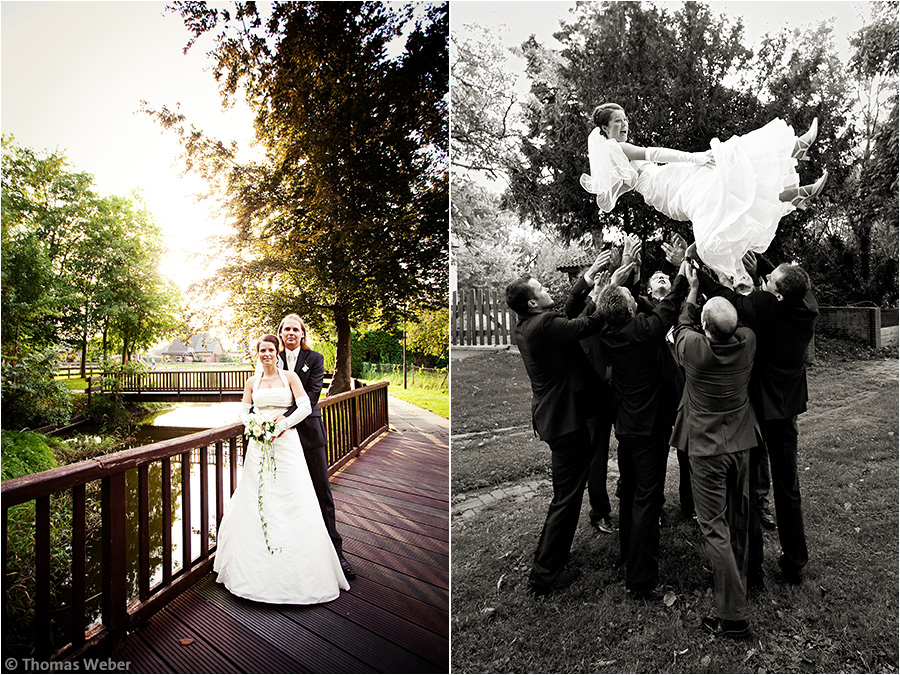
<point>291,361</point>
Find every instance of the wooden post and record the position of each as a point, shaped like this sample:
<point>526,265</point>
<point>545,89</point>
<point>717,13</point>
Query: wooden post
<point>79,575</point>
<point>113,570</point>
<point>42,574</point>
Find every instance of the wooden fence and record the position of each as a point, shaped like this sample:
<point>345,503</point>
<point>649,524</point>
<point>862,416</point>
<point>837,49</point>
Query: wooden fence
<point>352,420</point>
<point>68,372</point>
<point>480,317</point>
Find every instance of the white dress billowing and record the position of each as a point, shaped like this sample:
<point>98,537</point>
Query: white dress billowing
<point>732,204</point>
<point>304,568</point>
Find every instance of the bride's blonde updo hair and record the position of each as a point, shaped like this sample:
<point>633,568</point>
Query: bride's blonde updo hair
<point>603,112</point>
<point>267,338</point>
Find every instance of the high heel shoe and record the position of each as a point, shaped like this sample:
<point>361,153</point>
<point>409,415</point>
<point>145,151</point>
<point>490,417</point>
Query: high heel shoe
<point>807,192</point>
<point>805,141</point>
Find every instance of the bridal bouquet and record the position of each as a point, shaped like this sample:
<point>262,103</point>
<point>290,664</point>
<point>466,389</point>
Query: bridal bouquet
<point>263,430</point>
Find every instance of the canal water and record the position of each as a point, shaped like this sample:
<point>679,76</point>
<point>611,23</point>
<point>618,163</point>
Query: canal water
<point>184,419</point>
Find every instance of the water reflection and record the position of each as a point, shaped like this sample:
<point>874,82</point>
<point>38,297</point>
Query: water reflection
<point>180,421</point>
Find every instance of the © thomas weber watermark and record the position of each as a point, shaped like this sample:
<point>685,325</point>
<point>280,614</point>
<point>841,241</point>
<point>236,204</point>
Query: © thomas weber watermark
<point>30,665</point>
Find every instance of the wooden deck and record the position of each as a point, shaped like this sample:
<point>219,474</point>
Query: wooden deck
<point>393,512</point>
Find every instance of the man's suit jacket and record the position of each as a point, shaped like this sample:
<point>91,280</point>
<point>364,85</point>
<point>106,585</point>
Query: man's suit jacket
<point>783,332</point>
<point>647,398</point>
<point>310,367</point>
<point>715,416</point>
<point>564,386</point>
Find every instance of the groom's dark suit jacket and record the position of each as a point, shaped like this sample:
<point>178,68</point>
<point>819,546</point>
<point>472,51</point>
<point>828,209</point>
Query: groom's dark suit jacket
<point>311,369</point>
<point>783,333</point>
<point>564,385</point>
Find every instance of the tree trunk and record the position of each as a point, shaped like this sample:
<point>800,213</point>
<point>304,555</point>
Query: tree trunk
<point>342,363</point>
<point>84,341</point>
<point>124,350</point>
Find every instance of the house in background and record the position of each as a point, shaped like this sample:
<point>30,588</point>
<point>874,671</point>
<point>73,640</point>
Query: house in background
<point>200,347</point>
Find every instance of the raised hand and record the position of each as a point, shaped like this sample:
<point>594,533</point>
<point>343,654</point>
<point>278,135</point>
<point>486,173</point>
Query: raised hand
<point>615,259</point>
<point>749,261</point>
<point>601,263</point>
<point>621,275</point>
<point>675,250</point>
<point>632,247</point>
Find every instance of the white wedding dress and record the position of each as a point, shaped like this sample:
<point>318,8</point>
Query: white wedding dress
<point>733,204</point>
<point>303,567</point>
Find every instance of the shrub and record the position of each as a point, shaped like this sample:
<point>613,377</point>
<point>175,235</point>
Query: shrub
<point>24,453</point>
<point>31,397</point>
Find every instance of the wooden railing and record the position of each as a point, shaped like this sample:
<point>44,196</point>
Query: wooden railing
<point>178,381</point>
<point>352,420</point>
<point>481,317</point>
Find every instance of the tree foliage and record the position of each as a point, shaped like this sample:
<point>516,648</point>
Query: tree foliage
<point>77,268</point>
<point>684,76</point>
<point>344,218</point>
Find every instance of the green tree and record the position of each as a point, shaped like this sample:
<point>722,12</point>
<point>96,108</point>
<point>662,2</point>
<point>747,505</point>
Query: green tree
<point>683,78</point>
<point>345,217</point>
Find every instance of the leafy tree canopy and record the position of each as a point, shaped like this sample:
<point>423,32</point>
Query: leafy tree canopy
<point>344,218</point>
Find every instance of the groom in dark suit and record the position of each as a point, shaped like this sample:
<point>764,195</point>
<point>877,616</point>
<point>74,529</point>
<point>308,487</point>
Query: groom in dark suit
<point>717,428</point>
<point>310,366</point>
<point>783,316</point>
<point>565,395</point>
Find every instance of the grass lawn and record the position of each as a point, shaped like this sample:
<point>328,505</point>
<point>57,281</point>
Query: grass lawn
<point>437,402</point>
<point>843,618</point>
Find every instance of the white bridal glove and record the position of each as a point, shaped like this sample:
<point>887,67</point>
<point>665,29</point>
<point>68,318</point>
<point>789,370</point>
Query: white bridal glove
<point>245,412</point>
<point>665,155</point>
<point>301,413</point>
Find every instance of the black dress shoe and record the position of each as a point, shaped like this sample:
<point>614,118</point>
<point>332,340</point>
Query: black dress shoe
<point>736,630</point>
<point>767,520</point>
<point>565,578</point>
<point>348,571</point>
<point>604,525</point>
<point>789,573</point>
<point>650,595</point>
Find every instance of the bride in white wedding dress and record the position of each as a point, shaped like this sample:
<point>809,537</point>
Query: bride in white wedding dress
<point>272,543</point>
<point>734,194</point>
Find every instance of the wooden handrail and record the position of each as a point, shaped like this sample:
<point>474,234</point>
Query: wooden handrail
<point>352,420</point>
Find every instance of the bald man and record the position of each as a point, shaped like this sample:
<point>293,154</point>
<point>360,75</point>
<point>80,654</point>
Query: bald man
<point>717,427</point>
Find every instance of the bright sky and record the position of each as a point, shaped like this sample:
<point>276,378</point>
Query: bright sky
<point>73,76</point>
<point>522,18</point>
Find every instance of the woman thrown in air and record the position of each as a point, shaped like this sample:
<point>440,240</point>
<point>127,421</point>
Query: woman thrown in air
<point>734,194</point>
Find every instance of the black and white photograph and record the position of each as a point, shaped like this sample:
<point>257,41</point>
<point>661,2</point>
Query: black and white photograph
<point>674,337</point>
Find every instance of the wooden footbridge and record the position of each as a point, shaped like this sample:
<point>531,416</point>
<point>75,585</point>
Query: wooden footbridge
<point>391,491</point>
<point>202,385</point>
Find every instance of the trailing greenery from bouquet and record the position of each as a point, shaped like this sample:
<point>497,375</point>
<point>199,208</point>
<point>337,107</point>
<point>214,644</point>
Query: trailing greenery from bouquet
<point>262,430</point>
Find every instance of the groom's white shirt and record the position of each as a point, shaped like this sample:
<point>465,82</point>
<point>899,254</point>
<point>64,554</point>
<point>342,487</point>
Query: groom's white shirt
<point>290,357</point>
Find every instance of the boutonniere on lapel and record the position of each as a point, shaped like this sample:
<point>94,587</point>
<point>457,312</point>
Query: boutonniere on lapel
<point>305,368</point>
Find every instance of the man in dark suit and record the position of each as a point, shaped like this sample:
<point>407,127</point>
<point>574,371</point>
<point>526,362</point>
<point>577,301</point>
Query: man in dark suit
<point>599,426</point>
<point>783,317</point>
<point>310,366</point>
<point>717,428</point>
<point>564,396</point>
<point>634,344</point>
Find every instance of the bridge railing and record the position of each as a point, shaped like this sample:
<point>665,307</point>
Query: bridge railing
<point>130,589</point>
<point>178,381</point>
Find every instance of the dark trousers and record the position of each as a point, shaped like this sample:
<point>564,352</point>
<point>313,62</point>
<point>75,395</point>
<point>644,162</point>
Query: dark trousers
<point>763,480</point>
<point>570,461</point>
<point>317,462</point>
<point>780,437</point>
<point>721,495</point>
<point>685,491</point>
<point>755,538</point>
<point>600,428</point>
<point>642,466</point>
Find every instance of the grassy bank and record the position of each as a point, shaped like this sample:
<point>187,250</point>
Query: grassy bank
<point>428,390</point>
<point>842,619</point>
